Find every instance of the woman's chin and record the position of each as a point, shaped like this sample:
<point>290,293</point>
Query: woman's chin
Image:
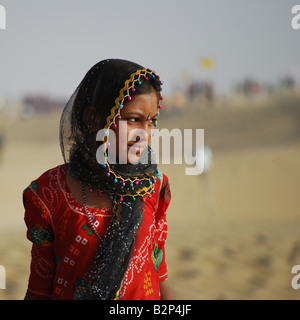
<point>133,159</point>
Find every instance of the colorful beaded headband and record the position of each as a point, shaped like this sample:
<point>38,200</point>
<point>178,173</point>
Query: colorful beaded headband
<point>125,94</point>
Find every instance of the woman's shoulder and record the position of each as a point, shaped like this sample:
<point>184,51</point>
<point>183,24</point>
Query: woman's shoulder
<point>160,201</point>
<point>163,180</point>
<point>163,186</point>
<point>51,174</point>
<point>161,177</point>
<point>45,189</point>
<point>46,178</point>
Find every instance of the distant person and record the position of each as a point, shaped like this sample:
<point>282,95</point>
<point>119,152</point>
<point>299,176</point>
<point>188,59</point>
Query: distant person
<point>99,230</point>
<point>1,147</point>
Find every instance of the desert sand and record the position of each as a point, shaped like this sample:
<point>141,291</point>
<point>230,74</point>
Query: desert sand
<point>233,231</point>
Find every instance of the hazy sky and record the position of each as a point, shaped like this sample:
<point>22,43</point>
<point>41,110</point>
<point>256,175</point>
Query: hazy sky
<point>48,46</point>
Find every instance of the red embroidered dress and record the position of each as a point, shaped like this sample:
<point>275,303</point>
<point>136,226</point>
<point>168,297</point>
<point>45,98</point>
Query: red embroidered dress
<point>64,243</point>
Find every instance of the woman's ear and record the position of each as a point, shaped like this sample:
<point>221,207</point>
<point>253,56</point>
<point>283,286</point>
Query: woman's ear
<point>91,119</point>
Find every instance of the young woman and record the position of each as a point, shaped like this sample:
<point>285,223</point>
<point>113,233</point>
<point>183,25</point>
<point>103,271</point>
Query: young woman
<point>98,222</point>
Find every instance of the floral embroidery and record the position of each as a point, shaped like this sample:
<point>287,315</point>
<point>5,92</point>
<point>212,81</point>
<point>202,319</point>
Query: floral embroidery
<point>165,191</point>
<point>41,236</point>
<point>157,256</point>
<point>148,284</point>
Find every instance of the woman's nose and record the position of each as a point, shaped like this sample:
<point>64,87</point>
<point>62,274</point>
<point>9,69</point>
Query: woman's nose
<point>145,126</point>
<point>142,133</point>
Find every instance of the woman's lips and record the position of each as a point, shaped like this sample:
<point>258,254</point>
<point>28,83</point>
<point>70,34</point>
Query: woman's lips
<point>137,147</point>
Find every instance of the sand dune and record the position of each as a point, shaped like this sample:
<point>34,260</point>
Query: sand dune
<point>233,232</point>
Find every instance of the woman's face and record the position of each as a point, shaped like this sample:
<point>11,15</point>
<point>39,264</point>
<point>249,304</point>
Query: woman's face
<point>133,131</point>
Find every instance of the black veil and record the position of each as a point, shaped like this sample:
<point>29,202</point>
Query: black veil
<point>87,112</point>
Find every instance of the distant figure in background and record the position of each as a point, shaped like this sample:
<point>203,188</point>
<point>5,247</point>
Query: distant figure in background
<point>1,147</point>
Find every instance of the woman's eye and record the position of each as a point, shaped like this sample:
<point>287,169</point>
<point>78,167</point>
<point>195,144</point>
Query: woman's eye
<point>133,119</point>
<point>152,122</point>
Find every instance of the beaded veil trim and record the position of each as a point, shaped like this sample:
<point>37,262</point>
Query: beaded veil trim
<point>125,94</point>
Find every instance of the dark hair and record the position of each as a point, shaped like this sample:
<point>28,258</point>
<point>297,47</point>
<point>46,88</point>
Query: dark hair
<point>101,86</point>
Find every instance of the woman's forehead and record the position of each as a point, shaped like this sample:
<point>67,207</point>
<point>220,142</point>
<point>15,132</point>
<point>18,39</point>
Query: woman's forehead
<point>142,103</point>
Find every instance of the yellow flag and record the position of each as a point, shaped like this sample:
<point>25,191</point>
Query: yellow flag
<point>207,63</point>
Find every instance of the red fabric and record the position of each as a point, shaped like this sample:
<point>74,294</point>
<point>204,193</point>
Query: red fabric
<point>64,243</point>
